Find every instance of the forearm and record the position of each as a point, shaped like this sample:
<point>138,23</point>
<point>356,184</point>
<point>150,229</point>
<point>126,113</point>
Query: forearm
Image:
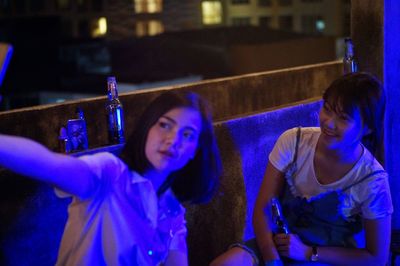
<point>349,256</point>
<point>31,159</point>
<point>23,156</point>
<point>264,236</point>
<point>377,236</point>
<point>271,187</point>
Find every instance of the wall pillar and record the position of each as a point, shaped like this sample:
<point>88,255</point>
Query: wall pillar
<point>375,28</point>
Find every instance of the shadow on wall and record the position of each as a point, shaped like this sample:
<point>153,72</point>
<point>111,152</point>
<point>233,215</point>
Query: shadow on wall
<point>214,226</point>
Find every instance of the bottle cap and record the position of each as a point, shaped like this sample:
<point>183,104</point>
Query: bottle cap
<point>111,79</point>
<point>63,133</point>
<point>79,113</point>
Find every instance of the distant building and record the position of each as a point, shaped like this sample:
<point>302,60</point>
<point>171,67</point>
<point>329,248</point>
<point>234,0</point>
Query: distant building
<point>68,47</point>
<point>111,19</point>
<point>117,19</point>
<point>325,17</point>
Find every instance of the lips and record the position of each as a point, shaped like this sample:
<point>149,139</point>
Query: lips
<point>329,133</point>
<point>168,154</point>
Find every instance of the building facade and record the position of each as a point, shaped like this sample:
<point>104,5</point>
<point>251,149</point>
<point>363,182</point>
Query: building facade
<point>324,17</point>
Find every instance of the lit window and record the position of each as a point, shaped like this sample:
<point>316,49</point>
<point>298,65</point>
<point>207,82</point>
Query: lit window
<point>320,25</point>
<point>99,27</point>
<point>148,6</point>
<point>155,27</point>
<point>141,28</point>
<point>313,24</point>
<point>149,28</point>
<point>212,12</point>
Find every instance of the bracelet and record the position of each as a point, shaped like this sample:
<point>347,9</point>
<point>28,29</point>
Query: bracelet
<point>273,263</point>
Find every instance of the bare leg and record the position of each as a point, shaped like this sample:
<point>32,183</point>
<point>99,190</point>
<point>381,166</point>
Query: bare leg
<point>234,257</point>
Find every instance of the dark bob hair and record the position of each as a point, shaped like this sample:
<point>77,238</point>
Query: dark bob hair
<point>360,91</point>
<point>197,181</point>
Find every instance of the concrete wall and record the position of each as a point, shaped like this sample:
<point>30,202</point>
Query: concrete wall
<point>375,30</point>
<point>229,97</point>
<point>250,58</point>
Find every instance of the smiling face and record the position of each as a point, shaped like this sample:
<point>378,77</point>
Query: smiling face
<point>340,130</point>
<point>172,141</point>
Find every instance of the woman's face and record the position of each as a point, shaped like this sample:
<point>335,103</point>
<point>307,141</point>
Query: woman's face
<point>339,130</point>
<point>172,140</point>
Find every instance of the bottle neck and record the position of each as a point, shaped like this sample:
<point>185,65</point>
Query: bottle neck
<point>349,50</point>
<point>112,91</point>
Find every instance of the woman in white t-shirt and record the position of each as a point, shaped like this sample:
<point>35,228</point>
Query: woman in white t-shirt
<point>334,193</point>
<point>127,210</point>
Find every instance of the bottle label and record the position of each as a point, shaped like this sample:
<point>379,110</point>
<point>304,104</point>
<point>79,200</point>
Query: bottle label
<point>115,125</point>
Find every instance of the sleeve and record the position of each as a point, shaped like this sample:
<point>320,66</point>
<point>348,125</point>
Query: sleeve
<point>282,153</point>
<point>376,201</point>
<point>105,167</point>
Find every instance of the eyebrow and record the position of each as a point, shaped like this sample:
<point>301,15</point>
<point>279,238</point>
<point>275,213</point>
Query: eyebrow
<point>174,122</point>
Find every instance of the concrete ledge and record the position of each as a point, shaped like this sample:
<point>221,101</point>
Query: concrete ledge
<point>229,97</point>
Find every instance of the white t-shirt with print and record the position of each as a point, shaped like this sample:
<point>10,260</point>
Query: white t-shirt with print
<point>370,198</point>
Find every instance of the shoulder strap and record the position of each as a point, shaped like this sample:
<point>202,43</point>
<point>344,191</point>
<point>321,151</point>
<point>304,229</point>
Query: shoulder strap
<point>298,134</point>
<point>364,178</point>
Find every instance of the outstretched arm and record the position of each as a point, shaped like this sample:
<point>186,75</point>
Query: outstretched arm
<point>271,187</point>
<point>31,159</point>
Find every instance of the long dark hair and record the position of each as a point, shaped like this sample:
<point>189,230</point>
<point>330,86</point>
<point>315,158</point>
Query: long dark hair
<point>198,179</point>
<point>360,91</point>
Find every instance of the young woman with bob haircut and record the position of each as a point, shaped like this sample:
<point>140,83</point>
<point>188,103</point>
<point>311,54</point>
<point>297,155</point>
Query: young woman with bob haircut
<point>127,210</point>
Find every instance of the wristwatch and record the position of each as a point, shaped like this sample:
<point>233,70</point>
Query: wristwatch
<point>314,254</point>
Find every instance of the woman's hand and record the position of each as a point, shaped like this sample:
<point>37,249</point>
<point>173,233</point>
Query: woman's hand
<point>290,245</point>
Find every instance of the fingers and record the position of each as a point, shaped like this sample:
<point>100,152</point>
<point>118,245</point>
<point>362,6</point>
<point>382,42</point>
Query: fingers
<point>282,244</point>
<point>281,239</point>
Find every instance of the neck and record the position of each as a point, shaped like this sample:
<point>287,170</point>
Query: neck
<point>346,155</point>
<point>157,178</point>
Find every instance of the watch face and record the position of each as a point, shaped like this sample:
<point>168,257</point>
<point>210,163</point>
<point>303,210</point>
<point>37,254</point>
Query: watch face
<point>314,255</point>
